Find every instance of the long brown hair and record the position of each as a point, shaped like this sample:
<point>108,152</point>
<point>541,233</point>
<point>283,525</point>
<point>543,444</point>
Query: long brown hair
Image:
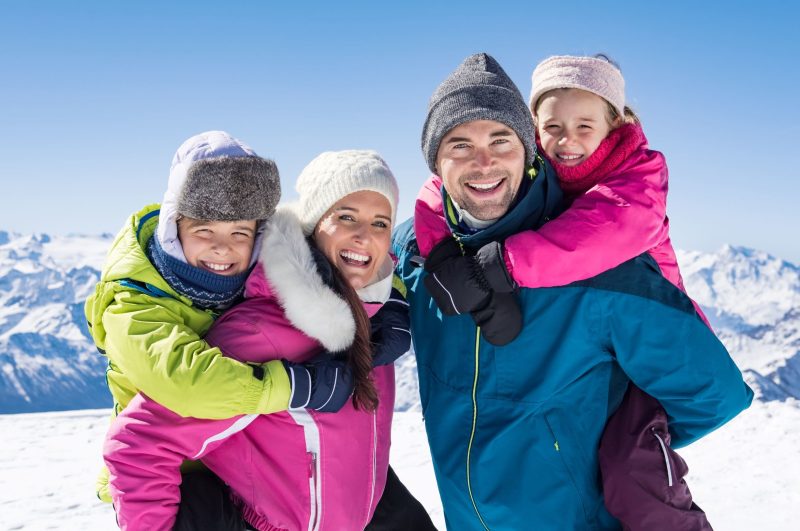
<point>359,355</point>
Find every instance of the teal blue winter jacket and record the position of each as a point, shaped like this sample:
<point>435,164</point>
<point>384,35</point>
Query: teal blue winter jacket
<point>514,430</point>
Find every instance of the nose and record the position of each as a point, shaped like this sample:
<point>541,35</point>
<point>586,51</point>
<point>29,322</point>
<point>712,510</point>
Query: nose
<point>220,246</point>
<point>361,233</point>
<point>565,138</point>
<point>483,157</point>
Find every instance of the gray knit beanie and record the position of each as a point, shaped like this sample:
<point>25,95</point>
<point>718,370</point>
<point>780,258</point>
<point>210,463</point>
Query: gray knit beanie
<point>225,180</point>
<point>333,175</point>
<point>479,89</point>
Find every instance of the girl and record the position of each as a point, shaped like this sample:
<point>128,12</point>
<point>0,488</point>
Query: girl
<point>617,190</point>
<point>324,269</point>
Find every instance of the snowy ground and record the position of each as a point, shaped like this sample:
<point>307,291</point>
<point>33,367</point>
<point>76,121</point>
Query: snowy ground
<point>745,475</point>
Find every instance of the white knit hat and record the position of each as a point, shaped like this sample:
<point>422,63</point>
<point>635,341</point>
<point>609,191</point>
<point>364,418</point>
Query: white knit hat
<point>333,175</point>
<point>592,74</point>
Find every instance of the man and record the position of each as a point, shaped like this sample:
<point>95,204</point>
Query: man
<point>517,384</point>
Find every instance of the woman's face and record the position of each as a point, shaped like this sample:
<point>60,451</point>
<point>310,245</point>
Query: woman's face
<point>354,234</point>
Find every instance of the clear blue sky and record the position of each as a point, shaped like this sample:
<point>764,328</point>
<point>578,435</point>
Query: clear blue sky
<point>96,96</point>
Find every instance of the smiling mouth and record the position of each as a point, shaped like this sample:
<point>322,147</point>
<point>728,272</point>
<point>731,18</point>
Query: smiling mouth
<point>217,268</point>
<point>568,157</point>
<point>487,187</point>
<point>354,259</point>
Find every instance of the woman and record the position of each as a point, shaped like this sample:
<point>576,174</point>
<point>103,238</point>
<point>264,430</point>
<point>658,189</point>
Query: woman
<point>323,271</point>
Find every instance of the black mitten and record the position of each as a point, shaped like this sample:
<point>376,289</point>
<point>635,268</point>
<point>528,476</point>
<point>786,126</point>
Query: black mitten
<point>500,320</point>
<point>323,383</point>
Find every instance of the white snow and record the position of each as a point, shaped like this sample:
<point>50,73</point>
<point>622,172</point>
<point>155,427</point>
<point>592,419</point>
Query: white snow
<point>745,475</point>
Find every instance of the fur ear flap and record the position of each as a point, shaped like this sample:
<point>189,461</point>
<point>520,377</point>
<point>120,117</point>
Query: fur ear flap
<point>308,303</point>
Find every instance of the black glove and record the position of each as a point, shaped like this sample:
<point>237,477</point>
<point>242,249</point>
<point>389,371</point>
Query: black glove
<point>461,284</point>
<point>323,383</point>
<point>500,320</point>
<point>390,330</point>
<point>480,285</point>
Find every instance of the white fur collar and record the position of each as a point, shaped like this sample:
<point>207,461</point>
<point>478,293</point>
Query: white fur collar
<point>308,303</point>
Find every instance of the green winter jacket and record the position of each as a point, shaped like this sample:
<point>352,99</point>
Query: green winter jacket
<point>152,337</point>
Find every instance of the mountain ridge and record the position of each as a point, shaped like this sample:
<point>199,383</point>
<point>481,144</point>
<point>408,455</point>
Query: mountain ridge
<point>48,361</point>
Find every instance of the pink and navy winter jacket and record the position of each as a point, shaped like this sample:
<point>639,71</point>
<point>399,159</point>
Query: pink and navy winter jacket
<point>294,470</point>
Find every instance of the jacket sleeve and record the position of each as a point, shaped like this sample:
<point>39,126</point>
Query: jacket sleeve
<point>144,449</point>
<point>618,219</point>
<point>163,357</point>
<point>391,332</point>
<point>673,356</point>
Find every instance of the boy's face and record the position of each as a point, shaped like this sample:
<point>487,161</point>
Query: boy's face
<point>571,123</point>
<point>354,235</point>
<point>221,247</point>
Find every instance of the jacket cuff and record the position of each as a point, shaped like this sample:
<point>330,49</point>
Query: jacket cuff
<point>274,389</point>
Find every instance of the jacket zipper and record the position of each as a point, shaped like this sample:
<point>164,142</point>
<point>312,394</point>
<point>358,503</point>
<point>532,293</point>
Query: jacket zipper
<point>312,489</point>
<point>374,464</point>
<point>666,457</point>
<point>311,433</point>
<point>474,423</point>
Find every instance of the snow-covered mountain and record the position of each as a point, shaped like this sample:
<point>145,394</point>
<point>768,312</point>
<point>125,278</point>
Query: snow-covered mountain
<point>47,359</point>
<point>48,362</point>
<point>752,300</point>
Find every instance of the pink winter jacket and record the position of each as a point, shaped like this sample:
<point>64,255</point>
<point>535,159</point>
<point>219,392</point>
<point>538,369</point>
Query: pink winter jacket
<point>621,217</point>
<point>295,470</point>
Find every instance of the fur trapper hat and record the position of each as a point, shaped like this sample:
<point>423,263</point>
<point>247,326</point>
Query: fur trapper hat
<point>216,177</point>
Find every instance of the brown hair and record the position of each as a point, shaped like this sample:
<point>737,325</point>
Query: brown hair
<point>613,117</point>
<point>359,355</point>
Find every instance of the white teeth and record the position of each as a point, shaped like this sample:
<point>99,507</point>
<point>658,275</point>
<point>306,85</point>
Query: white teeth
<point>218,267</point>
<point>350,255</point>
<point>483,186</point>
<point>569,157</point>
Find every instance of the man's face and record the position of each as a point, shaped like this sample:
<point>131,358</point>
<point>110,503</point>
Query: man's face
<point>481,164</point>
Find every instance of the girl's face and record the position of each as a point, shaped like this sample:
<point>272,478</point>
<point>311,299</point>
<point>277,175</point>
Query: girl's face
<point>354,235</point>
<point>221,247</point>
<point>571,123</point>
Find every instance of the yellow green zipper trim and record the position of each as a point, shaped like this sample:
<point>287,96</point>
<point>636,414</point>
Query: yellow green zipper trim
<point>474,423</point>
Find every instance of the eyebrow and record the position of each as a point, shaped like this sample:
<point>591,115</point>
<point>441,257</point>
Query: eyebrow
<point>243,227</point>
<point>352,209</point>
<point>498,133</point>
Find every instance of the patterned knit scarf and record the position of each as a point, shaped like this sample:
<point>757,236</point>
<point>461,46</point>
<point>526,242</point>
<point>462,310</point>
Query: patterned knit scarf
<point>206,290</point>
<point>612,151</point>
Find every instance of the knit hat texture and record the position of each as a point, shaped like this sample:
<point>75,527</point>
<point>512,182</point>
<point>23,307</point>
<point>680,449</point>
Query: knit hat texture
<point>216,177</point>
<point>592,74</point>
<point>479,89</point>
<point>335,174</point>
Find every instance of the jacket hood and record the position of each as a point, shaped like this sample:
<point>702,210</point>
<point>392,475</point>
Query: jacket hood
<point>290,275</point>
<point>126,258</point>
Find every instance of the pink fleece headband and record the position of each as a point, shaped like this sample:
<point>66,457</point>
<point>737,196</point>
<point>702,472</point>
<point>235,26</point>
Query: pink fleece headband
<point>591,74</point>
